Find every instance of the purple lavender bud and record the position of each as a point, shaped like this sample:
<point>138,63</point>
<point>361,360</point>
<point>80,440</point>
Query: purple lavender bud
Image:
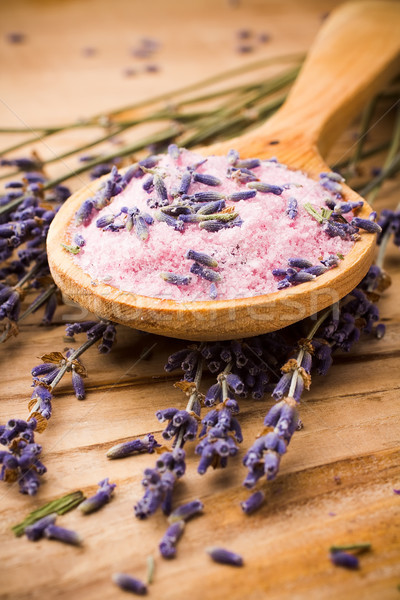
<point>233,157</point>
<point>160,187</point>
<point>206,179</point>
<point>271,465</point>
<point>173,151</point>
<point>166,414</point>
<point>253,503</point>
<point>16,37</point>
<point>185,182</point>
<point>244,195</point>
<point>299,263</point>
<point>344,559</point>
<point>148,182</point>
<point>146,444</point>
<point>175,278</point>
<point>213,293</point>
<point>235,383</point>
<point>35,532</point>
<point>213,395</point>
<point>99,499</point>
<point>207,196</point>
<point>366,224</point>
<point>225,557</point>
<point>130,584</point>
<point>84,213</point>
<point>202,258</point>
<point>42,369</point>
<point>265,188</point>
<point>291,210</point>
<point>67,536</point>
<point>170,221</point>
<point>303,276</point>
<point>248,163</point>
<point>170,539</point>
<point>380,331</point>
<point>282,387</point>
<point>79,240</point>
<point>78,385</point>
<point>316,270</point>
<point>186,511</point>
<point>332,176</point>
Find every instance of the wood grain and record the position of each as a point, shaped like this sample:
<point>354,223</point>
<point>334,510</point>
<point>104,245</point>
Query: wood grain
<point>351,417</point>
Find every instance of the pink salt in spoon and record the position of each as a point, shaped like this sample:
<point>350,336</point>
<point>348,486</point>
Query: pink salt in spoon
<point>356,53</point>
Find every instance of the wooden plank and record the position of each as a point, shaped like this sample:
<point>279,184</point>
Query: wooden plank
<point>337,479</point>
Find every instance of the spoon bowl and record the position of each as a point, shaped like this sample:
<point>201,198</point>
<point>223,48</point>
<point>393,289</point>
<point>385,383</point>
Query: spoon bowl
<point>354,55</point>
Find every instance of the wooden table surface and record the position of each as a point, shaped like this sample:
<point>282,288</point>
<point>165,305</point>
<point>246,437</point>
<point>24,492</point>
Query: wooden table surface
<point>337,480</point>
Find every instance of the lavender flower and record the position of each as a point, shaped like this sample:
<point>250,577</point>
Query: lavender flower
<point>170,539</point>
<point>291,210</point>
<point>138,446</point>
<point>67,536</point>
<point>180,422</point>
<point>219,437</point>
<point>225,557</point>
<point>202,258</point>
<point>35,531</point>
<point>366,224</point>
<point>159,483</point>
<point>265,188</point>
<point>206,179</point>
<point>176,278</point>
<point>253,502</point>
<point>102,496</point>
<point>130,584</point>
<point>186,511</point>
<point>20,462</point>
<point>345,559</point>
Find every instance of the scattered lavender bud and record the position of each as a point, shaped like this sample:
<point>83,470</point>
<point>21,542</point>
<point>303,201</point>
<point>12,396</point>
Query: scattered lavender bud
<point>130,584</point>
<point>99,499</point>
<point>380,331</point>
<point>16,37</point>
<point>175,278</point>
<point>67,536</point>
<point>263,38</point>
<point>35,531</point>
<point>146,444</point>
<point>206,179</point>
<point>152,68</point>
<point>300,263</point>
<point>186,511</point>
<point>225,557</point>
<point>185,182</point>
<point>253,503</point>
<point>207,196</point>
<point>244,195</point>
<point>366,224</point>
<point>213,292</point>
<point>170,539</point>
<point>243,34</point>
<point>248,163</point>
<point>233,156</point>
<point>265,188</point>
<point>173,151</point>
<point>291,210</point>
<point>202,258</point>
<point>345,559</point>
<point>79,240</point>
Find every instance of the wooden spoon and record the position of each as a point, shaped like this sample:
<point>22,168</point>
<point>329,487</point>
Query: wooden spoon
<point>354,55</point>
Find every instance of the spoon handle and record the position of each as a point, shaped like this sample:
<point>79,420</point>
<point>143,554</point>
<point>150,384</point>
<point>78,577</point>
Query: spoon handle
<point>354,55</point>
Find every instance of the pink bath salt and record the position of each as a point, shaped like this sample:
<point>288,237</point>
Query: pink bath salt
<point>245,255</point>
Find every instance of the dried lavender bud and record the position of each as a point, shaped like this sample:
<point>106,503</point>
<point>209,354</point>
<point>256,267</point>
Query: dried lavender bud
<point>186,511</point>
<point>209,208</point>
<point>35,531</point>
<point>244,195</point>
<point>248,163</point>
<point>317,270</point>
<point>207,196</point>
<point>366,224</point>
<point>130,584</point>
<point>102,496</point>
<point>202,258</point>
<point>253,502</point>
<point>79,240</point>
<point>344,559</point>
<point>206,179</point>
<point>300,263</point>
<point>213,293</point>
<point>185,182</point>
<point>175,278</point>
<point>146,444</point>
<point>160,187</point>
<point>67,536</point>
<point>225,557</point>
<point>233,157</point>
<point>84,213</point>
<point>170,221</point>
<point>208,274</point>
<point>332,176</point>
<point>265,188</point>
<point>380,331</point>
<point>173,151</point>
<point>170,539</point>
